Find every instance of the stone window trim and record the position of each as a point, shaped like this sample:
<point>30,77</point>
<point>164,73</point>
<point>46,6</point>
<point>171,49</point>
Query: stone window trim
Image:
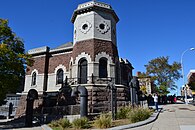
<point>34,74</point>
<point>83,55</point>
<point>103,27</point>
<point>75,33</point>
<point>109,61</point>
<point>103,54</point>
<point>59,76</point>
<point>82,71</point>
<point>62,68</point>
<point>70,67</point>
<point>85,27</point>
<point>103,67</point>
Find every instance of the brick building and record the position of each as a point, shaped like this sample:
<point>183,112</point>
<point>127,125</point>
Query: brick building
<point>191,82</point>
<point>91,60</point>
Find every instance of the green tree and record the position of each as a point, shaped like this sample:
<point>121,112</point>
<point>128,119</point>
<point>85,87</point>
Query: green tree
<point>12,60</point>
<point>163,74</point>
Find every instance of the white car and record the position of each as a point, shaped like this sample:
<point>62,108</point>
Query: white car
<point>189,99</point>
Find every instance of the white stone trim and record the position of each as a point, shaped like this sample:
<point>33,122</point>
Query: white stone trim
<point>61,49</point>
<point>35,70</point>
<point>110,63</point>
<point>106,27</point>
<point>39,56</point>
<point>103,54</point>
<point>75,66</point>
<point>62,53</point>
<point>89,25</point>
<point>60,66</point>
<point>190,73</point>
<point>38,50</point>
<point>71,61</point>
<point>83,55</point>
<point>92,3</point>
<point>71,67</point>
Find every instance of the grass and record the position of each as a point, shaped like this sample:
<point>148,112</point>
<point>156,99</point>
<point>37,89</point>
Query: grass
<point>120,122</point>
<point>139,114</point>
<point>125,115</point>
<point>80,123</point>
<point>103,121</point>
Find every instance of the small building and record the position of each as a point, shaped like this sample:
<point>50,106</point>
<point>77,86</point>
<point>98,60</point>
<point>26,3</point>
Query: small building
<point>13,101</point>
<point>191,80</point>
<point>91,60</point>
<point>145,83</point>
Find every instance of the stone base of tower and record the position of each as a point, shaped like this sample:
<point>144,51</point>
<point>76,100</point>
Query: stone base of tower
<point>99,98</point>
<point>21,110</point>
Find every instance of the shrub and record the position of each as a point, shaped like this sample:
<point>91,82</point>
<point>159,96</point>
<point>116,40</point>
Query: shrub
<point>123,112</point>
<point>103,121</point>
<point>139,114</point>
<point>54,124</point>
<point>64,123</point>
<point>80,123</point>
<point>61,123</point>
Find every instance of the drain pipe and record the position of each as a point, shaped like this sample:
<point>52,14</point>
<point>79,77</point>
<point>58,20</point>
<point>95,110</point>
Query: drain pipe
<point>84,99</point>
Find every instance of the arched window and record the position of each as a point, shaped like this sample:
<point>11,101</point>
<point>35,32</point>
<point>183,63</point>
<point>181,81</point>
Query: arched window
<point>103,68</point>
<point>34,76</point>
<point>70,70</point>
<point>82,77</point>
<point>59,76</point>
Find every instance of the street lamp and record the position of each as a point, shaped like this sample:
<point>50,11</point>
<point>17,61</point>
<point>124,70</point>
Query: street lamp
<point>182,67</point>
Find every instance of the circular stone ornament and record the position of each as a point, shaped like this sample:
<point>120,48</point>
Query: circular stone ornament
<point>103,27</point>
<point>85,27</point>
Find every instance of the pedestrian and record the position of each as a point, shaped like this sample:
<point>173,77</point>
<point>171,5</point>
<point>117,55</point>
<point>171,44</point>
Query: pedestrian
<point>155,96</point>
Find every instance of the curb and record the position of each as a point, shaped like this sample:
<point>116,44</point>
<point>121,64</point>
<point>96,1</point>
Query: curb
<point>152,118</point>
<point>46,127</point>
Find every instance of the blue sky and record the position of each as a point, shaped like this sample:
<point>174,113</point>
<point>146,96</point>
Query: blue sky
<point>147,28</point>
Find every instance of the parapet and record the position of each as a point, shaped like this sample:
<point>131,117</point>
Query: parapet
<point>39,50</point>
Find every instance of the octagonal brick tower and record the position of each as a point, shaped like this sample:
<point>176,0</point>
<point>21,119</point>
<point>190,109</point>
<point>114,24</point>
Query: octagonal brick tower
<point>95,38</point>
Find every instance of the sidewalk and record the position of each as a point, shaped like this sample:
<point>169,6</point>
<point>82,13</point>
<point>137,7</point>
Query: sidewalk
<point>18,124</point>
<point>173,117</point>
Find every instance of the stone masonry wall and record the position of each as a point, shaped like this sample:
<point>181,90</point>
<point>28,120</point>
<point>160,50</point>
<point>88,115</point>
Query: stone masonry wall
<point>99,99</point>
<point>21,110</point>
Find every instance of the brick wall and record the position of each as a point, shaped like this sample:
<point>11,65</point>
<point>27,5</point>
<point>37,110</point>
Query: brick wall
<point>93,47</point>
<point>39,64</point>
<point>56,60</point>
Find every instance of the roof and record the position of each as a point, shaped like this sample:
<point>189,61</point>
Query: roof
<point>91,6</point>
<point>46,49</point>
<point>125,61</point>
<point>68,44</point>
<point>191,76</point>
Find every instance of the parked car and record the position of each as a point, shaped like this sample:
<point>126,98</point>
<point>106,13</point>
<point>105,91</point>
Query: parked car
<point>189,99</point>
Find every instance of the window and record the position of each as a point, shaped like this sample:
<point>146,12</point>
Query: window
<point>34,76</point>
<point>103,68</point>
<point>82,78</point>
<point>71,70</point>
<point>60,76</point>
